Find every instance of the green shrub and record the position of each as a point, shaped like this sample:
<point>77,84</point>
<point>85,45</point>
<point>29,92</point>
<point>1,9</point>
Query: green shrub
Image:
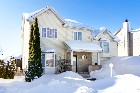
<point>64,65</point>
<point>7,71</point>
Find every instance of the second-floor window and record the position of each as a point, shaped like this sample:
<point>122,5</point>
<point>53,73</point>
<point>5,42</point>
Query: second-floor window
<point>77,35</point>
<point>43,32</point>
<point>105,46</point>
<point>49,33</point>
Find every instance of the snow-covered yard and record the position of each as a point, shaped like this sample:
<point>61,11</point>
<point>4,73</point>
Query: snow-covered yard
<point>70,82</point>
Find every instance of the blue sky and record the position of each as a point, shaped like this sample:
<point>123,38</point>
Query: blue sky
<point>94,13</point>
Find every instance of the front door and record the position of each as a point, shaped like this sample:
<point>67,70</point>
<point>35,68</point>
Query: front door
<point>48,62</point>
<point>75,65</point>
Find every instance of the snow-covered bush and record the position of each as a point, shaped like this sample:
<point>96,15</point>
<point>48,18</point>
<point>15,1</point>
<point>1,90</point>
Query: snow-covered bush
<point>63,65</point>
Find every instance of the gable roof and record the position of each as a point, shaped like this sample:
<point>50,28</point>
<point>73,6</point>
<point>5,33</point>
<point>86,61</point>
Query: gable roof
<point>117,32</point>
<point>96,33</point>
<point>66,23</point>
<point>32,15</point>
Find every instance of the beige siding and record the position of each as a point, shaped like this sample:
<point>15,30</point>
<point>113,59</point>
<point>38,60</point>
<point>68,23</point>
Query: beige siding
<point>49,20</point>
<point>113,44</point>
<point>94,58</point>
<point>121,50</point>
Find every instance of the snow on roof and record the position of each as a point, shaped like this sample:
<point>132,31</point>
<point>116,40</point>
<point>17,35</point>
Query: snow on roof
<point>83,46</point>
<point>38,12</point>
<point>96,33</point>
<point>68,22</point>
<point>136,30</point>
<point>74,23</point>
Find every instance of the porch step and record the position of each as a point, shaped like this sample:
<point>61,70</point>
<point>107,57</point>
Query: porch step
<point>87,76</point>
<point>84,75</point>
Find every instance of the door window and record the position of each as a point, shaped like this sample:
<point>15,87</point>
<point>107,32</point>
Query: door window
<point>50,59</point>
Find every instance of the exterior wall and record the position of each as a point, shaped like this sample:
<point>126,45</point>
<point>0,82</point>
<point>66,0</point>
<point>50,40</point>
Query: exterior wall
<point>85,34</point>
<point>129,41</point>
<point>64,34</point>
<point>113,44</point>
<point>131,44</point>
<point>94,58</point>
<point>49,20</point>
<point>121,46</point>
<point>136,43</point>
<point>83,64</point>
<point>113,48</point>
<point>25,42</point>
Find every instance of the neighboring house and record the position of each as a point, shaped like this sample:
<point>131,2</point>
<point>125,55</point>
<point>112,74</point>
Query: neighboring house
<point>129,40</point>
<point>66,39</point>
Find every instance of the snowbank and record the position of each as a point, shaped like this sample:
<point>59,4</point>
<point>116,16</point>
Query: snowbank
<point>127,83</point>
<point>70,82</point>
<point>121,65</point>
<point>67,82</point>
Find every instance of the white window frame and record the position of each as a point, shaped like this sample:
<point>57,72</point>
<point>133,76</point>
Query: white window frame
<point>55,33</point>
<point>48,69</point>
<point>42,34</point>
<point>102,45</point>
<point>77,35</point>
<point>53,58</point>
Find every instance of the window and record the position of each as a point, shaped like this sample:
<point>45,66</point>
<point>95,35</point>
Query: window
<point>43,60</point>
<point>49,33</point>
<point>50,59</point>
<point>105,46</point>
<point>43,32</point>
<point>77,35</point>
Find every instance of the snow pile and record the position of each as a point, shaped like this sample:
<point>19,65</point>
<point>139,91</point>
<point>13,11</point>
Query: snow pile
<point>104,72</point>
<point>127,83</point>
<point>17,78</point>
<point>121,65</point>
<point>70,82</point>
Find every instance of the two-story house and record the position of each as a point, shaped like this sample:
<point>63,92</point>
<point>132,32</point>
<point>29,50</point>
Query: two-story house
<point>66,39</point>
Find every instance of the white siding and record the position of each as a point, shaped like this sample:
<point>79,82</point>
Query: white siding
<point>25,43</point>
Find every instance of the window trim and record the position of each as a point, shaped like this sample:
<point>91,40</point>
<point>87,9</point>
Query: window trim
<point>77,35</point>
<point>104,40</point>
<point>55,33</point>
<point>42,32</point>
<point>54,64</point>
